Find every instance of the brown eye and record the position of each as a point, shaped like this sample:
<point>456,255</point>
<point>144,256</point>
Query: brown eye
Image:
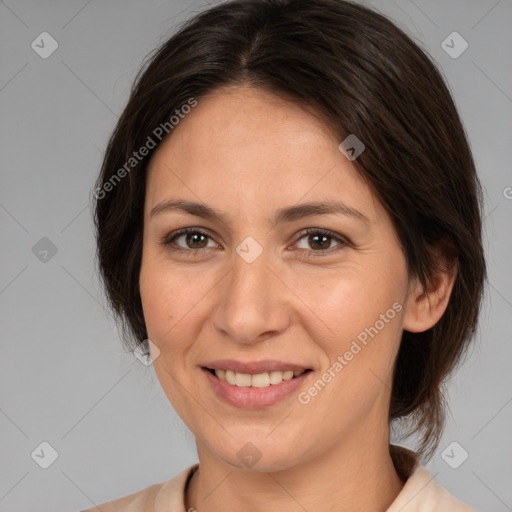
<point>320,241</point>
<point>193,239</point>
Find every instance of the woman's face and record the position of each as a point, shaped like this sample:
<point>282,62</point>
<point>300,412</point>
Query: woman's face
<point>250,289</point>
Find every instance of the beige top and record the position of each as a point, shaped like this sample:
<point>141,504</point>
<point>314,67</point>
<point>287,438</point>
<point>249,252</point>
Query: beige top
<point>419,494</point>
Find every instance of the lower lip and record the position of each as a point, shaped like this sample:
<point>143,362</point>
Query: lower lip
<point>254,398</point>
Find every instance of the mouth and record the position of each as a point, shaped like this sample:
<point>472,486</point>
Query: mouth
<point>255,380</point>
<point>255,390</point>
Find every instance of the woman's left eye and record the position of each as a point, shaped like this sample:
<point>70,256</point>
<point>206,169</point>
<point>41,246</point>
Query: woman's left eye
<point>322,239</point>
<point>195,239</point>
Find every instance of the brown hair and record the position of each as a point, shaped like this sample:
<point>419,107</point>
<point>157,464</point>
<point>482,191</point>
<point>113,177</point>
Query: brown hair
<point>364,76</point>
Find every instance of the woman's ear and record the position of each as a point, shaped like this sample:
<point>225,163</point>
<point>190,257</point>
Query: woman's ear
<point>425,307</point>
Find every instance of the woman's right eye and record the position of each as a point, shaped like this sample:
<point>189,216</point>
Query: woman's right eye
<point>194,239</point>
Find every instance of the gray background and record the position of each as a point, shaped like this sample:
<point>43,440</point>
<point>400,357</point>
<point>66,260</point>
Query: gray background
<point>64,377</point>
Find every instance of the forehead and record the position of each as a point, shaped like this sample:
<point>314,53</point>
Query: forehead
<point>247,148</point>
<point>244,119</point>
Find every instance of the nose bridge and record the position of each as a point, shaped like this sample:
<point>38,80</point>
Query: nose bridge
<point>251,302</point>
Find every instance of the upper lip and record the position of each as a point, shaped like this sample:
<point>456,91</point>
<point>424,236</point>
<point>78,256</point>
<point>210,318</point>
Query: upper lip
<point>253,367</point>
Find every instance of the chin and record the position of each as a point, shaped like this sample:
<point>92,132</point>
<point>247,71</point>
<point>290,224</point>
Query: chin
<point>261,455</point>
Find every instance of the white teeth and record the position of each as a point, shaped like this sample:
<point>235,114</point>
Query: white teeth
<point>242,379</point>
<point>230,377</point>
<point>276,377</point>
<point>260,380</point>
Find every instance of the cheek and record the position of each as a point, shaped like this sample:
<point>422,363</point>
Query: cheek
<point>358,316</point>
<point>348,299</point>
<point>165,306</point>
<point>164,294</point>
<point>171,302</point>
<point>156,304</point>
<point>159,304</point>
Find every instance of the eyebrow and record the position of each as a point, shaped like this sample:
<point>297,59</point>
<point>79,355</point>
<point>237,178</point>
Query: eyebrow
<point>288,214</point>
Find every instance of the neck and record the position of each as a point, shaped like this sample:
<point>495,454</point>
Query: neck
<point>356,474</point>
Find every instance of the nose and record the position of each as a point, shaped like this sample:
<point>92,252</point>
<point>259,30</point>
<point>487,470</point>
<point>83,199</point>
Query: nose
<point>252,303</point>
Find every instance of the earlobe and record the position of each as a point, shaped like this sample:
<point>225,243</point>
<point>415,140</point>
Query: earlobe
<point>425,307</point>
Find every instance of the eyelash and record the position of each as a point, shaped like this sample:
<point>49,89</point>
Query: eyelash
<point>169,239</point>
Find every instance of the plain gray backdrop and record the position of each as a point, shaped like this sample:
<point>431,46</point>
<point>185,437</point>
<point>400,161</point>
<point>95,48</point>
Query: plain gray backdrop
<point>65,379</point>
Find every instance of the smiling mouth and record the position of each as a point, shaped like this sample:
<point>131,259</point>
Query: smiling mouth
<point>259,380</point>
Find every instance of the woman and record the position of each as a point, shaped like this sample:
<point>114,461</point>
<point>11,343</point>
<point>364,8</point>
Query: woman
<point>288,214</point>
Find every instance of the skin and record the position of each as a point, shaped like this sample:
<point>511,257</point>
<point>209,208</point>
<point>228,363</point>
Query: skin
<point>248,153</point>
